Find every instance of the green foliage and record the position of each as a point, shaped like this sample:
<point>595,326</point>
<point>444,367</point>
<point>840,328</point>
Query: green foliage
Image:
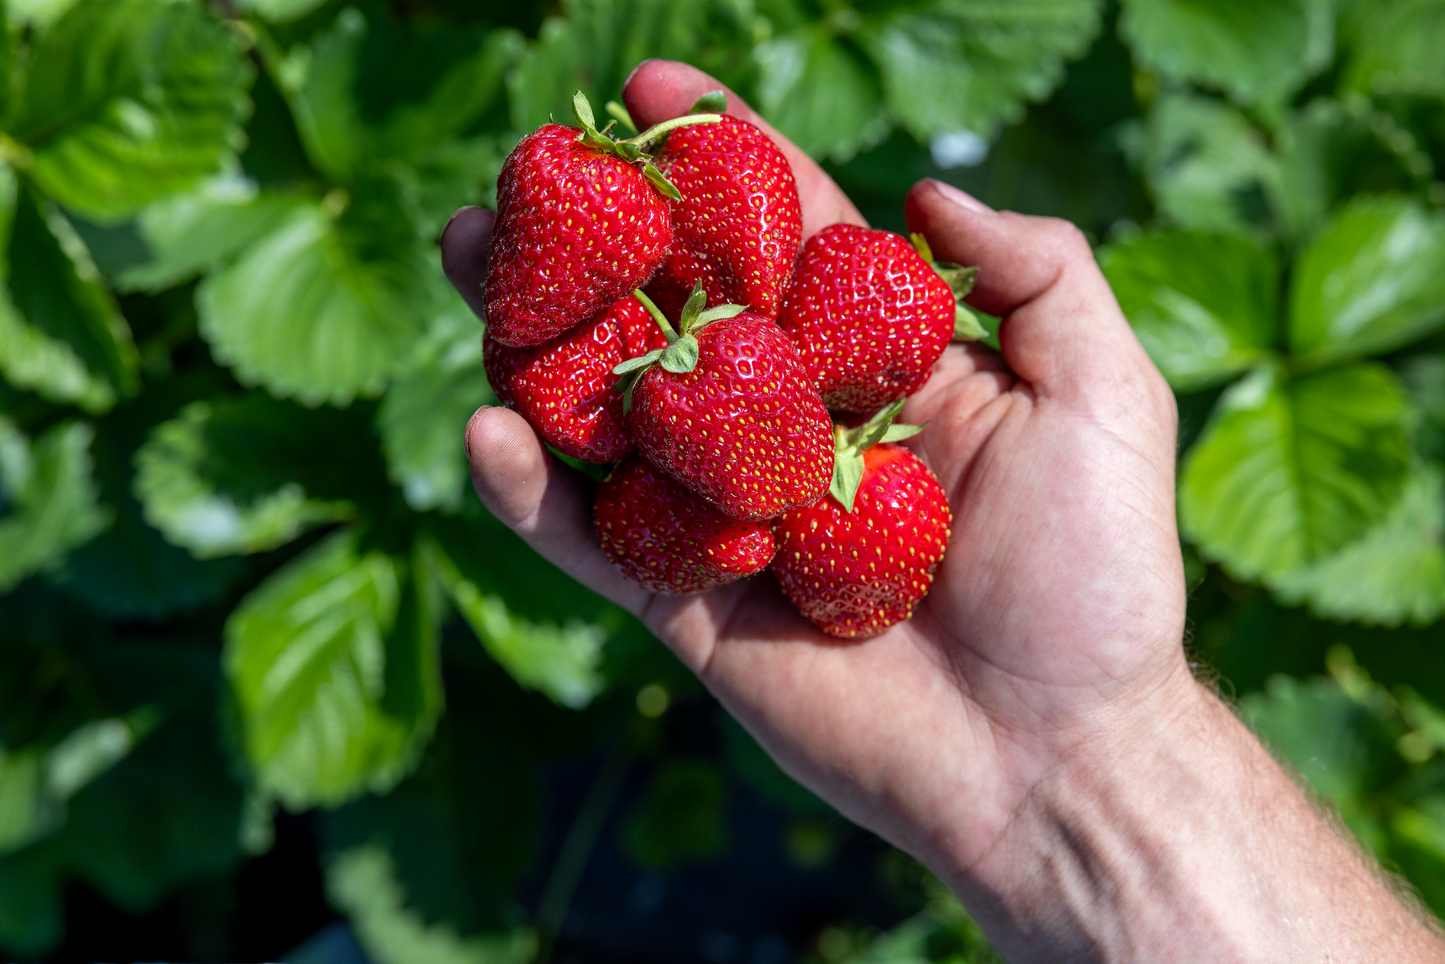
<point>262,431</point>
<point>333,665</point>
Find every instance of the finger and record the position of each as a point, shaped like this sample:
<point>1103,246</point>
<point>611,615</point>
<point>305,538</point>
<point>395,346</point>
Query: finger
<point>659,90</point>
<point>466,242</point>
<point>1063,331</point>
<point>542,500</point>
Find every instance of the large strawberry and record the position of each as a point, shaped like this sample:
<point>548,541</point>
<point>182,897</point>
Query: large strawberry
<point>737,226</point>
<point>859,559</point>
<point>727,410</point>
<point>579,225</point>
<point>565,387</point>
<point>669,540</point>
<point>870,314</point>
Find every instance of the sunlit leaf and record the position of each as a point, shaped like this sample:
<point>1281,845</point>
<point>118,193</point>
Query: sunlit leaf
<point>334,668</point>
<point>323,308</point>
<point>226,476</point>
<point>822,94</point>
<point>1395,574</point>
<point>1203,305</point>
<point>1289,471</point>
<point>423,414</point>
<point>978,62</point>
<point>61,334</point>
<point>1372,280</point>
<point>191,233</point>
<point>281,10</point>
<point>1400,50</point>
<point>127,100</point>
<point>1205,164</point>
<point>37,13</point>
<point>47,498</point>
<point>362,882</point>
<point>551,635</point>
<point>1255,50</point>
<point>27,811</point>
<point>1332,150</point>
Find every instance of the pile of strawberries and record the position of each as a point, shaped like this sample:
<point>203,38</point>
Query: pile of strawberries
<point>648,305</point>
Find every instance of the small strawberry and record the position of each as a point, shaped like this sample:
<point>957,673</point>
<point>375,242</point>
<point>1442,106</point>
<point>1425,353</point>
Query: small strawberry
<point>579,225</point>
<point>737,227</point>
<point>871,315</point>
<point>859,559</point>
<point>727,410</point>
<point>565,387</point>
<point>667,539</point>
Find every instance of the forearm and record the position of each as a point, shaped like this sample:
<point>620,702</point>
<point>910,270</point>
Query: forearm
<point>1182,842</point>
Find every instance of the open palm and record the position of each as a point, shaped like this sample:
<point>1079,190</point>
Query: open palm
<point>1057,613</point>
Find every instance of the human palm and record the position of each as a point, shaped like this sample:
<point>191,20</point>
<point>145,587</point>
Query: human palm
<point>1059,605</point>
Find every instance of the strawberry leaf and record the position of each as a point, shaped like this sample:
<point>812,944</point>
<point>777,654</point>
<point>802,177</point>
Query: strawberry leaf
<point>847,477</point>
<point>681,356</point>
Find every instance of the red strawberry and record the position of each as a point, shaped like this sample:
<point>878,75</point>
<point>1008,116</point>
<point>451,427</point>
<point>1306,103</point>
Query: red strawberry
<point>870,315</point>
<point>730,414</point>
<point>857,566</point>
<point>667,539</point>
<point>579,225</point>
<point>736,229</point>
<point>565,388</point>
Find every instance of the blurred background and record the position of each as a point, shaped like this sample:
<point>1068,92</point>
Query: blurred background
<point>274,687</point>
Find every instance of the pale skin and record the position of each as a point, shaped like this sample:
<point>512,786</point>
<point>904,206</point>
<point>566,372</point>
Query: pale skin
<point>1034,734</point>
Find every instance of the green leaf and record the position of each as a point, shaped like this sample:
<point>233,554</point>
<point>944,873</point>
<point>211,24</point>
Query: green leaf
<point>1332,150</point>
<point>50,496</point>
<point>542,627</point>
<point>680,817</point>
<point>350,128</point>
<point>127,100</point>
<point>1206,166</point>
<point>822,94</point>
<point>228,476</point>
<point>61,334</point>
<point>362,882</point>
<point>27,812</point>
<point>1254,50</point>
<point>1202,304</point>
<point>333,665</point>
<point>323,308</point>
<point>31,905</point>
<point>280,11</point>
<point>1394,575</point>
<point>1289,471</point>
<point>449,176</point>
<point>969,66</point>
<point>422,417</point>
<point>192,233</point>
<point>37,13</point>
<point>1371,281</point>
<point>1400,51</point>
<point>1335,741</point>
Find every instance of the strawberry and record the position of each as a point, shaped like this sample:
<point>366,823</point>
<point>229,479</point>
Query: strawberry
<point>870,314</point>
<point>727,410</point>
<point>737,227</point>
<point>669,540</point>
<point>565,387</point>
<point>859,559</point>
<point>579,225</point>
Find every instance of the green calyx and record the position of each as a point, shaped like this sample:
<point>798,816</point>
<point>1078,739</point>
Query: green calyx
<point>636,149</point>
<point>960,280</point>
<point>849,444</point>
<point>680,355</point>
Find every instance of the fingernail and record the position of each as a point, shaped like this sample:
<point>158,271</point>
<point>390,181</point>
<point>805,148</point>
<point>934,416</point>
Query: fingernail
<point>963,200</point>
<point>467,433</point>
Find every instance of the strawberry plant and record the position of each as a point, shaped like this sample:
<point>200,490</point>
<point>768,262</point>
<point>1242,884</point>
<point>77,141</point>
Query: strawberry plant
<point>265,663</point>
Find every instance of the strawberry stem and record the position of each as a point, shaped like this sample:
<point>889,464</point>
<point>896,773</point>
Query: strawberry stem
<point>667,330</point>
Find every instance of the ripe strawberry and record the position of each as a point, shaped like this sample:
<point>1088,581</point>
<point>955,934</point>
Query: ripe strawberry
<point>859,559</point>
<point>728,412</point>
<point>578,226</point>
<point>565,387</point>
<point>870,314</point>
<point>669,540</point>
<point>736,229</point>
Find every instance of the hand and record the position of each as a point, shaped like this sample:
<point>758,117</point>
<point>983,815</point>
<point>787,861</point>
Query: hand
<point>1052,636</point>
